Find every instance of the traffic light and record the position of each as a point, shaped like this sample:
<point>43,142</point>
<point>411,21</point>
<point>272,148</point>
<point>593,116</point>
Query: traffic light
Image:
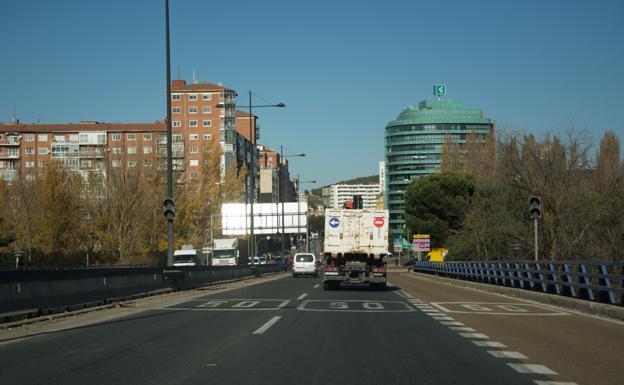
<point>358,202</point>
<point>535,207</point>
<point>169,210</point>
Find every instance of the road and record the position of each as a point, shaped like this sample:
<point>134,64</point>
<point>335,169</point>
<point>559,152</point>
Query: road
<point>285,331</point>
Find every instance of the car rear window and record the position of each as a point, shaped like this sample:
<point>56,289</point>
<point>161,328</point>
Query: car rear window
<point>305,258</point>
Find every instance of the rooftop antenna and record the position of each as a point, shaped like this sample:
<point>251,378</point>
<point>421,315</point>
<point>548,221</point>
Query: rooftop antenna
<point>14,114</point>
<point>194,80</point>
<point>178,71</point>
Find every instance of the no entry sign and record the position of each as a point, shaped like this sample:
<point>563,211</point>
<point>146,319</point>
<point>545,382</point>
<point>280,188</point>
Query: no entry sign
<point>378,222</point>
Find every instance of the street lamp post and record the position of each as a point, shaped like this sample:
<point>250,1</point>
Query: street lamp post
<point>169,203</point>
<point>281,188</point>
<point>299,182</point>
<point>251,187</point>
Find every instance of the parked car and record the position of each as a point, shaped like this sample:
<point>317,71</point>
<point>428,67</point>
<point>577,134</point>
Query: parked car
<point>305,264</point>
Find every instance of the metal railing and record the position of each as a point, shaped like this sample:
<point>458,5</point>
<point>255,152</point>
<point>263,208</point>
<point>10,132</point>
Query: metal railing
<point>590,280</point>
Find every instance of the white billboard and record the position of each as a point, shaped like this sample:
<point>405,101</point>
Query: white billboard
<point>236,218</point>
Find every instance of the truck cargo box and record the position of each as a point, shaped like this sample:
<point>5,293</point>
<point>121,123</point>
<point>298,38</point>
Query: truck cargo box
<point>356,231</point>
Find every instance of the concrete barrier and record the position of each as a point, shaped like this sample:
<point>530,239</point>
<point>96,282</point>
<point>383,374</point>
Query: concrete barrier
<point>34,292</point>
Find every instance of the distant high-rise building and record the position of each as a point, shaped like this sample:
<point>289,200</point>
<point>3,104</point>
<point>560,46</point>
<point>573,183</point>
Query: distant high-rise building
<point>414,142</point>
<point>337,194</point>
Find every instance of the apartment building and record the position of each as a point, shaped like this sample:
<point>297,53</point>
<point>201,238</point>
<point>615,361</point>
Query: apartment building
<point>87,147</point>
<point>337,194</point>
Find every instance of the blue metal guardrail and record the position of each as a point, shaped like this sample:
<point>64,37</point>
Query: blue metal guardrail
<point>591,280</point>
<point>41,291</point>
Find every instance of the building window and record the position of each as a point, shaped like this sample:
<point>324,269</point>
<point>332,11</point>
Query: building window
<point>177,123</point>
<point>176,97</point>
<point>207,109</point>
<point>147,136</point>
<point>1,137</point>
<point>116,150</point>
<point>131,150</point>
<point>41,164</point>
<point>73,137</point>
<point>131,136</point>
<point>30,177</point>
<point>207,123</point>
<point>1,164</point>
<point>193,136</point>
<point>42,150</point>
<point>176,110</point>
<point>207,96</point>
<point>132,163</point>
<point>192,97</point>
<point>59,137</point>
<point>30,151</point>
<point>193,162</point>
<point>176,137</point>
<point>116,163</point>
<point>147,150</point>
<point>42,137</point>
<point>192,110</point>
<point>147,163</point>
<point>27,137</point>
<point>29,164</point>
<point>192,123</point>
<point>207,136</point>
<point>116,136</point>
<point>85,164</point>
<point>194,150</point>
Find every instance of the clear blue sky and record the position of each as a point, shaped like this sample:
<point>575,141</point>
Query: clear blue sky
<point>344,68</point>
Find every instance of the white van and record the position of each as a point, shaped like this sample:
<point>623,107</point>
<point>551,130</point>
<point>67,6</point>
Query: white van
<point>304,263</point>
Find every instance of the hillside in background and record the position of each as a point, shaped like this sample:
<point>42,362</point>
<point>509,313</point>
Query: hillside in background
<point>373,179</point>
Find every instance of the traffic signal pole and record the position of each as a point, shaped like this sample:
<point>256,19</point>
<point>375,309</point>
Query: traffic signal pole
<point>535,239</point>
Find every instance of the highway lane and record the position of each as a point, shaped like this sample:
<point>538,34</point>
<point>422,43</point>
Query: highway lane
<point>280,332</point>
<point>581,348</point>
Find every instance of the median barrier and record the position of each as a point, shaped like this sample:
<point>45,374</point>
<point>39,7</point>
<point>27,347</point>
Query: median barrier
<point>26,293</point>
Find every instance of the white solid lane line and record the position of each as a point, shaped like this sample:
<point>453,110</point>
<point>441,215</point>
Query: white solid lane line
<point>316,286</point>
<point>532,369</point>
<point>267,325</point>
<point>302,296</point>
<point>554,383</point>
<point>507,354</point>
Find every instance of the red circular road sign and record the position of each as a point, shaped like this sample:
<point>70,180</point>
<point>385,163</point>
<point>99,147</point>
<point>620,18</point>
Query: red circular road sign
<point>378,222</point>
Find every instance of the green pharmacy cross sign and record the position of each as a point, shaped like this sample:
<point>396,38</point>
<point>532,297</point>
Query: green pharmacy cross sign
<point>439,89</point>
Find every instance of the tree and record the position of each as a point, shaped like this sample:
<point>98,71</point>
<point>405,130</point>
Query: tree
<point>436,204</point>
<point>609,174</point>
<point>7,230</point>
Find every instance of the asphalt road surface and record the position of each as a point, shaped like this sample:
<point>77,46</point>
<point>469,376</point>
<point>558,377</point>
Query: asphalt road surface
<point>286,331</point>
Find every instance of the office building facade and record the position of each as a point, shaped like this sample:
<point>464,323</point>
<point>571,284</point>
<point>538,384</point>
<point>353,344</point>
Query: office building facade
<point>414,143</point>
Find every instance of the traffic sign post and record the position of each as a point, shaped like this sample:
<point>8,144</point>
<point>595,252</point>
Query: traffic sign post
<point>422,242</point>
<point>439,90</point>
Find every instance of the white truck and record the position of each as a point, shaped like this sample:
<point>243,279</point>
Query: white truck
<point>356,243</point>
<point>225,252</point>
<point>187,256</point>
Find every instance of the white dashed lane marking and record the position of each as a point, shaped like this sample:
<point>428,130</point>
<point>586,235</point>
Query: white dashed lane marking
<point>531,369</point>
<point>474,335</point>
<point>462,329</point>
<point>451,323</point>
<point>267,325</point>
<point>316,286</point>
<point>554,383</point>
<point>489,344</point>
<point>507,354</point>
<point>302,296</point>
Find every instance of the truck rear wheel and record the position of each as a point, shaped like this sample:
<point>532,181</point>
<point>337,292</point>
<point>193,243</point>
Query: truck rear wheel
<point>379,286</point>
<point>330,285</point>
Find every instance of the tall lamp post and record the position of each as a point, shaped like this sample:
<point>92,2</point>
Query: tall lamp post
<point>251,190</point>
<point>281,190</point>
<point>299,182</point>
<point>169,210</point>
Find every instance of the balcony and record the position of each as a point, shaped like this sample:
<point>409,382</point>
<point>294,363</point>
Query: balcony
<point>178,150</point>
<point>9,176</point>
<point>9,155</point>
